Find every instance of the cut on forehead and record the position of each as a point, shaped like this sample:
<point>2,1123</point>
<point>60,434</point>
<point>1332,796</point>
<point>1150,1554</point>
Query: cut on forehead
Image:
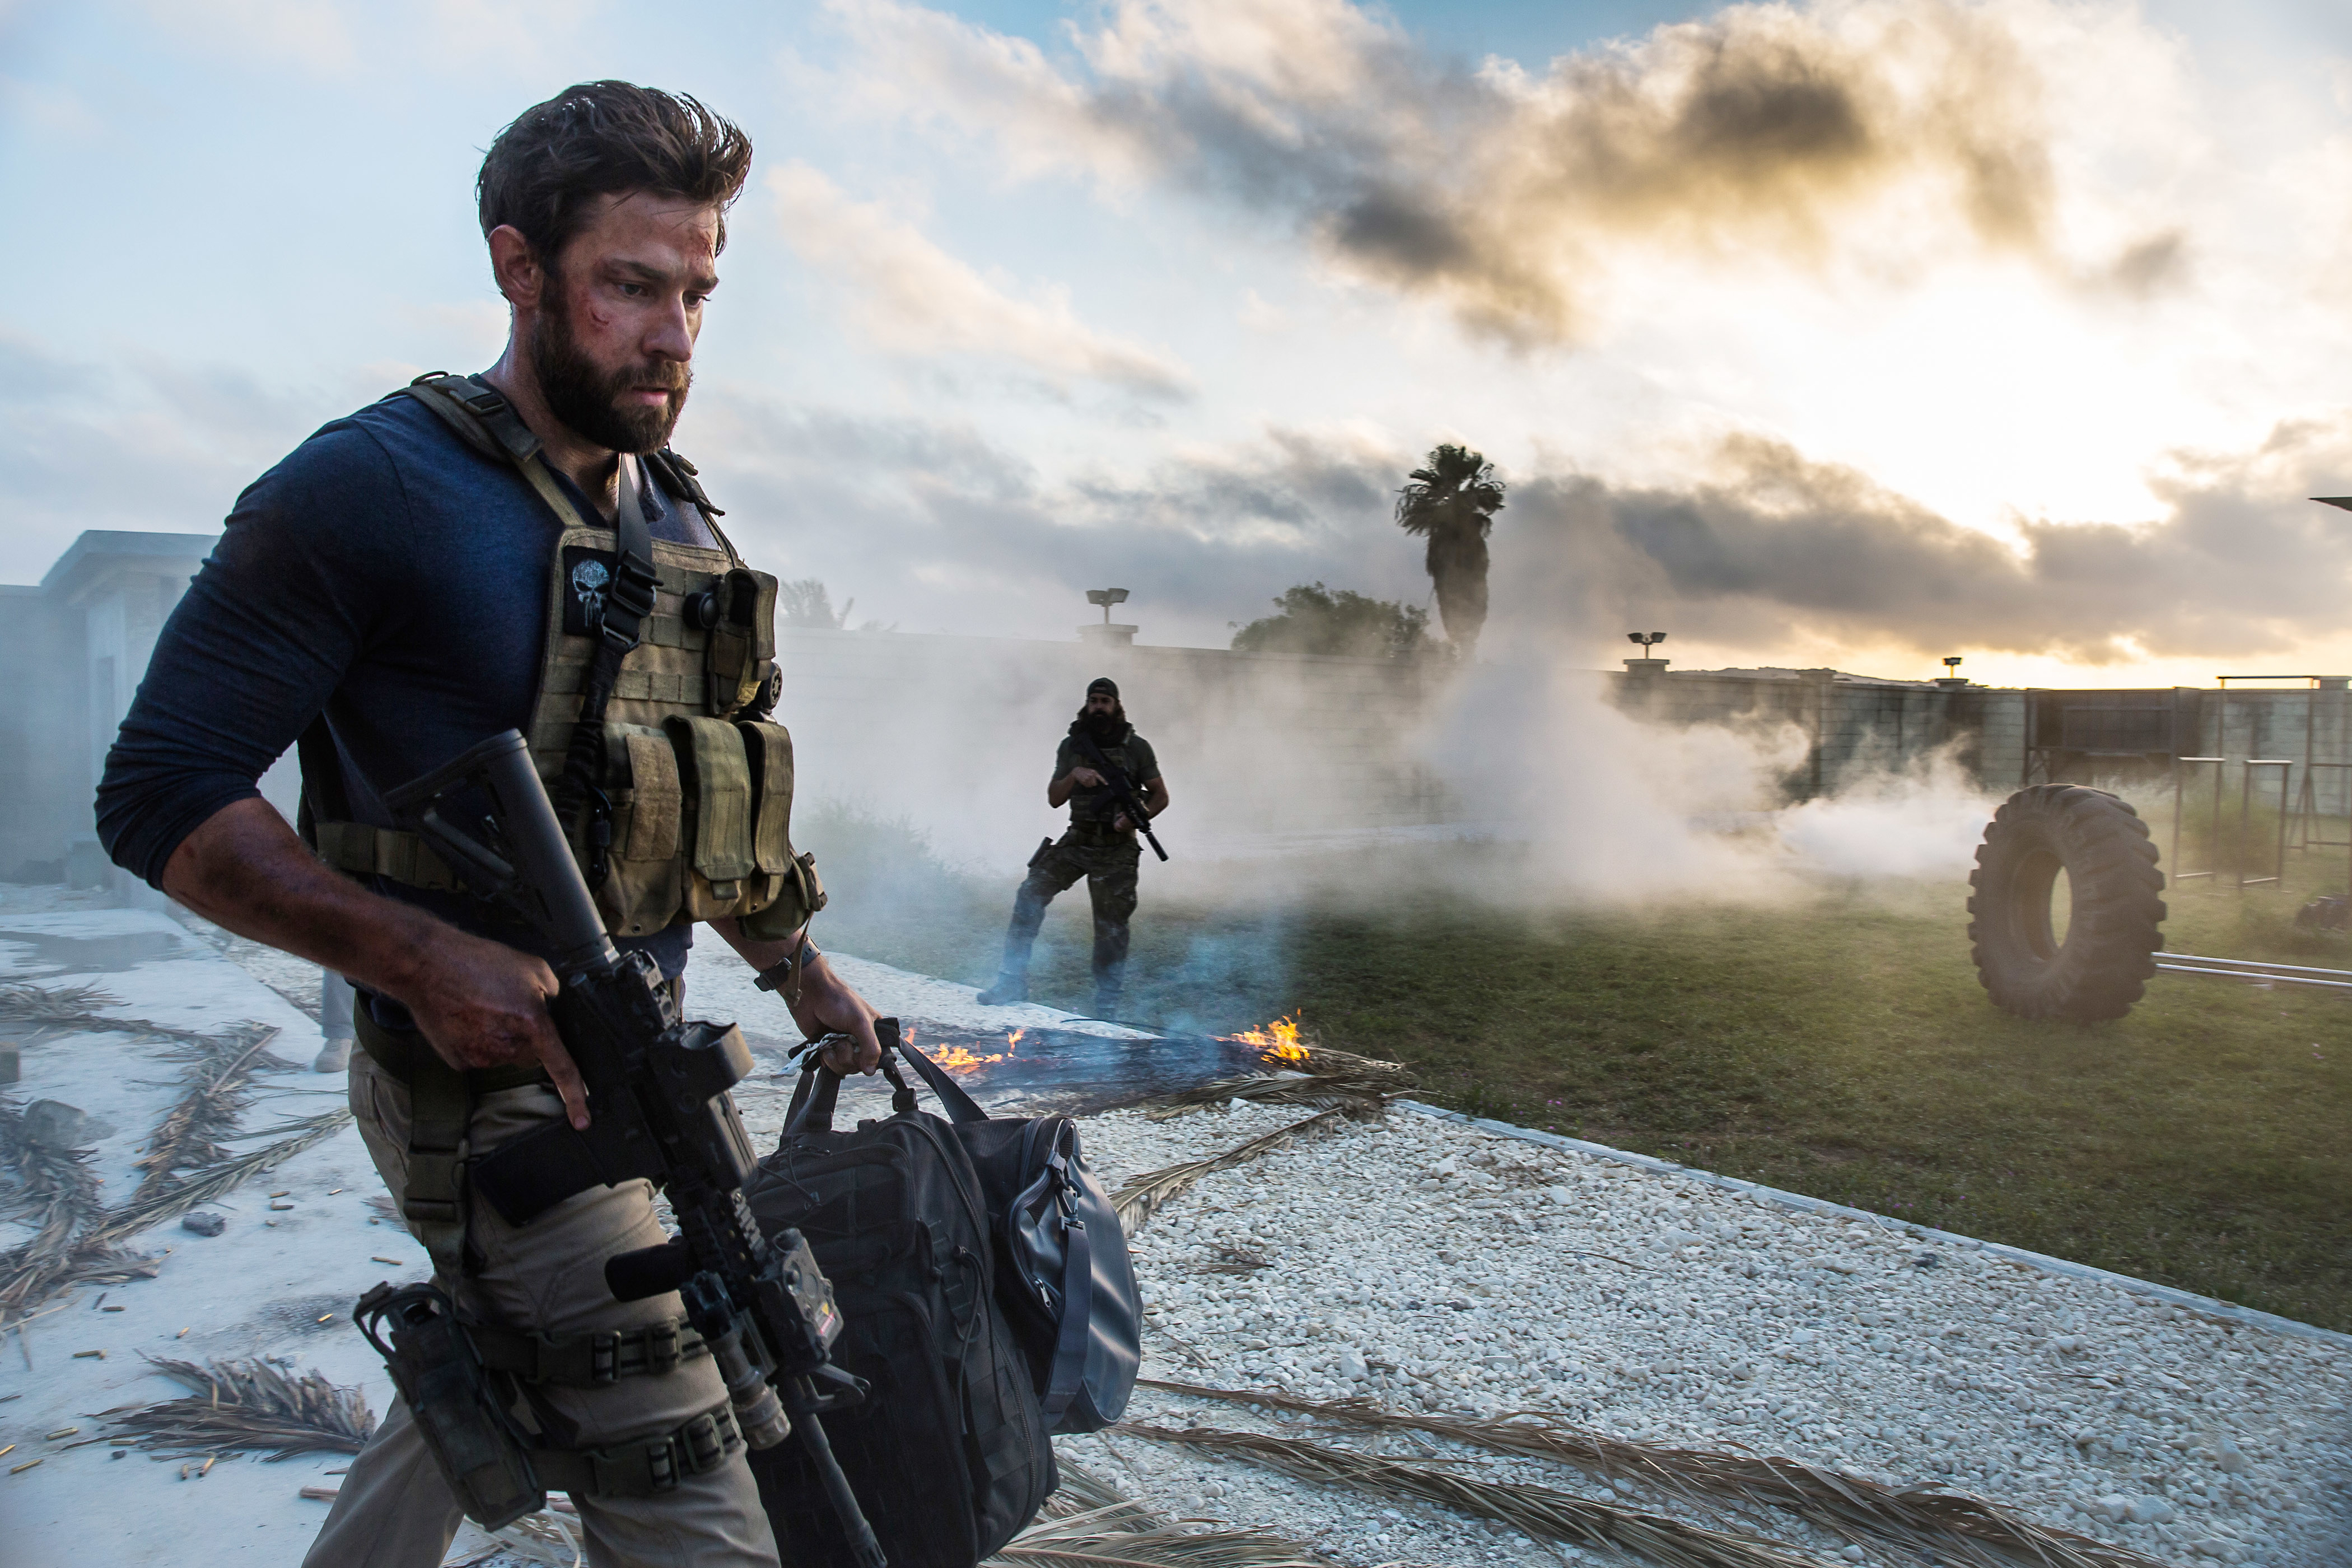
<point>659,237</point>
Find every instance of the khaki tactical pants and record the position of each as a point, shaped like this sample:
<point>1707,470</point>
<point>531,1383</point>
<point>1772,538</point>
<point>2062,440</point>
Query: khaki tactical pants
<point>395,1510</point>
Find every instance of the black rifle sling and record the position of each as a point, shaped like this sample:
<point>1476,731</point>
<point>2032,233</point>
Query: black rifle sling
<point>579,803</point>
<point>495,429</point>
<point>322,781</point>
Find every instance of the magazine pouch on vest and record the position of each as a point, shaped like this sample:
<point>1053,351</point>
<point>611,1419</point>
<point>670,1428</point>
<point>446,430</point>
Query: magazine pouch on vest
<point>686,786</point>
<point>742,646</point>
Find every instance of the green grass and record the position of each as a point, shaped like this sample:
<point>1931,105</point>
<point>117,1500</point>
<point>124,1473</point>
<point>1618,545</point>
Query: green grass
<point>1836,1045</point>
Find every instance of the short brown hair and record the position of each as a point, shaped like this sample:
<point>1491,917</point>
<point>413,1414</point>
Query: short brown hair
<point>601,139</point>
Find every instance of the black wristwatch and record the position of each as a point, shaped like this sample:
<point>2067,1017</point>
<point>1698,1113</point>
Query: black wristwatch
<point>785,977</point>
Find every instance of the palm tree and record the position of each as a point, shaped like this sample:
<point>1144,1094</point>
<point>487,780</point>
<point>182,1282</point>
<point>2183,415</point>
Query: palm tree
<point>1454,501</point>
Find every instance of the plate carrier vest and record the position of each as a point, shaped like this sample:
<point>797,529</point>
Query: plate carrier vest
<point>650,724</point>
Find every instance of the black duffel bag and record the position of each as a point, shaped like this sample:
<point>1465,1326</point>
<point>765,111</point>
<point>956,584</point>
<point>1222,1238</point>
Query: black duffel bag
<point>1062,1269</point>
<point>947,1453</point>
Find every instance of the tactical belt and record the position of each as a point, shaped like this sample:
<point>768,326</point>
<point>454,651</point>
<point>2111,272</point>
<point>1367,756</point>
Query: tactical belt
<point>1099,835</point>
<point>588,1360</point>
<point>648,1466</point>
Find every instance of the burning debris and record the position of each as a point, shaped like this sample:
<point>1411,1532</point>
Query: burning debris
<point>962,1059</point>
<point>1305,1073</point>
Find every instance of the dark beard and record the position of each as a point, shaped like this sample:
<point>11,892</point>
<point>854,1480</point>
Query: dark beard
<point>1108,729</point>
<point>587,400</point>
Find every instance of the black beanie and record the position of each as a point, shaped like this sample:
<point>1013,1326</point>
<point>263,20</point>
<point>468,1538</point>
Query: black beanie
<point>1105,684</point>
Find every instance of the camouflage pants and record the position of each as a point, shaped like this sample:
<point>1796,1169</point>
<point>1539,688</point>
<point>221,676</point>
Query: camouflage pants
<point>1109,870</point>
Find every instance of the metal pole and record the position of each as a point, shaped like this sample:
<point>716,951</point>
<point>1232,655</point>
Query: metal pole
<point>2246,821</point>
<point>2286,777</point>
<point>2176,816</point>
<point>2182,810</point>
<point>2222,769</point>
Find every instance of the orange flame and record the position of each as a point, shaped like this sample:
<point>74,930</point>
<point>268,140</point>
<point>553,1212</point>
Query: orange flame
<point>962,1059</point>
<point>1278,1040</point>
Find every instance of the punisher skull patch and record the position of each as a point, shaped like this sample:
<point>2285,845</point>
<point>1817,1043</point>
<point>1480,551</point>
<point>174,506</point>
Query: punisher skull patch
<point>587,577</point>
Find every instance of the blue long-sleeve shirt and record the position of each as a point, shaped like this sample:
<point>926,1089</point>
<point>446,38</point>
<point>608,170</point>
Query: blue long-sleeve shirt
<point>386,574</point>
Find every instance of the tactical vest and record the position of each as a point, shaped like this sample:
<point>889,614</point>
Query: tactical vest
<point>689,787</point>
<point>1099,806</point>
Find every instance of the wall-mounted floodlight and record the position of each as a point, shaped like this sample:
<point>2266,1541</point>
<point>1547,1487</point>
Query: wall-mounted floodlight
<point>1106,597</point>
<point>1647,638</point>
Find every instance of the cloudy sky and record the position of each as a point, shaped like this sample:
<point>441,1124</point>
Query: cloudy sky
<point>1856,332</point>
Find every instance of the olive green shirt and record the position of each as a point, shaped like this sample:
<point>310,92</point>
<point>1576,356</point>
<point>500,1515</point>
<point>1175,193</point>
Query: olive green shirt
<point>1099,804</point>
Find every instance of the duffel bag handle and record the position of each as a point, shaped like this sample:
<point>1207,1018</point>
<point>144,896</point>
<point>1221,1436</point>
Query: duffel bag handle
<point>960,1106</point>
<point>819,1090</point>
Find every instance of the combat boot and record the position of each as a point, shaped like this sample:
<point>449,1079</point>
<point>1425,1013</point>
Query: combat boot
<point>1107,1001</point>
<point>1007,991</point>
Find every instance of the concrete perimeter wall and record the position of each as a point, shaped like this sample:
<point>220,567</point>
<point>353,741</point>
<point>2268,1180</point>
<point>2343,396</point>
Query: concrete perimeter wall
<point>1847,727</point>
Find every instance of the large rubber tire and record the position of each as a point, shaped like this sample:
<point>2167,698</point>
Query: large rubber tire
<point>2102,966</point>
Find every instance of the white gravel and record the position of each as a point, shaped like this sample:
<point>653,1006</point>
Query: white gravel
<point>1467,1271</point>
<point>1443,1262</point>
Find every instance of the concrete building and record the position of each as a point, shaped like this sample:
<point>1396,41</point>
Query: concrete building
<point>74,649</point>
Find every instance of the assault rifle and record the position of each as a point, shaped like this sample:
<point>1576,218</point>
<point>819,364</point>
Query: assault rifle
<point>659,1109</point>
<point>1121,788</point>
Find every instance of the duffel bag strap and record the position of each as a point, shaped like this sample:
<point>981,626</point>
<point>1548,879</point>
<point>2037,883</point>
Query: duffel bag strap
<point>814,1098</point>
<point>587,1360</point>
<point>647,1466</point>
<point>1070,1373</point>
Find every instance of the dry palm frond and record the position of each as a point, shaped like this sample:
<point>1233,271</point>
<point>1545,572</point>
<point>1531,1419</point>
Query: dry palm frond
<point>1086,1540</point>
<point>66,1008</point>
<point>54,1007</point>
<point>1089,1524</point>
<point>55,1190</point>
<point>57,1260</point>
<point>1540,1511</point>
<point>1923,1519</point>
<point>220,1077</point>
<point>1140,1199</point>
<point>216,1180</point>
<point>247,1405</point>
<point>1083,1491</point>
<point>1316,1076</point>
